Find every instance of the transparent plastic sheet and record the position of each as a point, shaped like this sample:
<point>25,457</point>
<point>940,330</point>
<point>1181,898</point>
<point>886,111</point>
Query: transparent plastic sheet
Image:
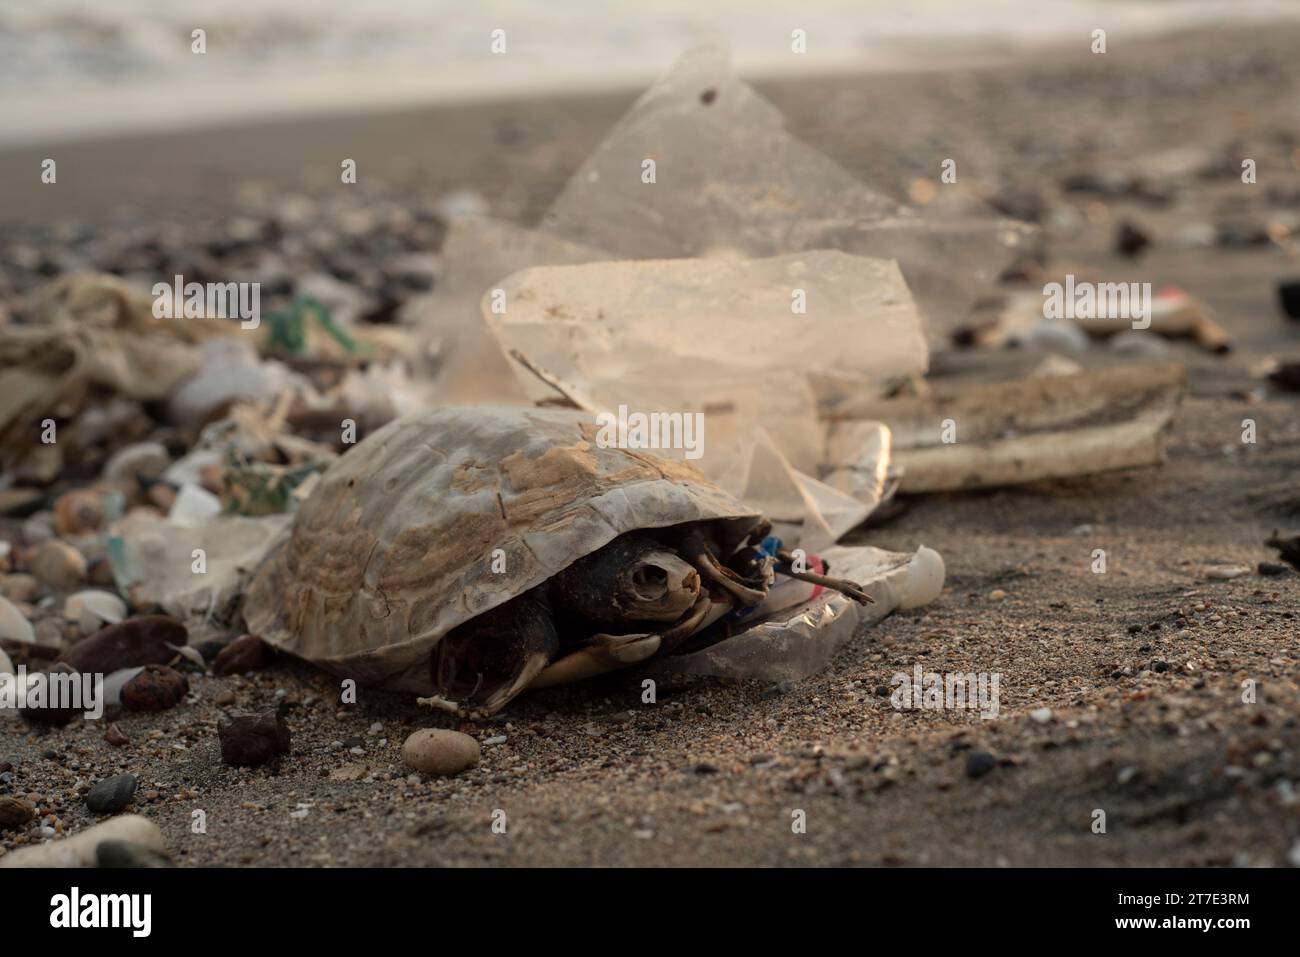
<point>799,642</point>
<point>156,558</point>
<point>718,341</point>
<point>456,348</point>
<point>820,311</point>
<point>730,181</point>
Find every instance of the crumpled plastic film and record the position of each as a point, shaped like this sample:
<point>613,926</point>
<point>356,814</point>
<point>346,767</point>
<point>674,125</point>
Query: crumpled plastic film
<point>455,344</point>
<point>800,642</point>
<point>730,180</point>
<point>156,558</point>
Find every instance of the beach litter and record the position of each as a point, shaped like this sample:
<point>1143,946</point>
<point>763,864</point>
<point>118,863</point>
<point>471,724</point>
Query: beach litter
<point>469,554</point>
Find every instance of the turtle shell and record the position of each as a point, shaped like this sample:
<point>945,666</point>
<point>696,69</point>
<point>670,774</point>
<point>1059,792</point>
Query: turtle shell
<point>441,516</point>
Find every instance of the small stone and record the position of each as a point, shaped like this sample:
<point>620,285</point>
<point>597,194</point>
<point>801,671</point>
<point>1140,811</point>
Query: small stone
<point>38,710</point>
<point>111,794</point>
<point>1226,572</point>
<point>244,654</point>
<point>116,736</point>
<point>252,739</point>
<point>979,763</point>
<point>15,812</point>
<point>438,751</point>
<point>349,772</point>
<point>20,588</point>
<point>997,594</point>
<point>127,644</point>
<point>1041,715</point>
<point>225,698</point>
<point>157,688</point>
<point>1272,569</point>
<point>129,854</point>
<point>58,565</point>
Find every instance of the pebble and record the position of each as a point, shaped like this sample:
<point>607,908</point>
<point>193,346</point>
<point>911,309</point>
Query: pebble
<point>81,849</point>
<point>1226,572</point>
<point>46,715</point>
<point>224,698</point>
<point>116,736</point>
<point>20,587</point>
<point>1272,569</point>
<point>979,763</point>
<point>58,565</point>
<point>244,654</point>
<point>111,794</point>
<point>157,688</point>
<point>1041,715</point>
<point>252,739</point>
<point>438,751</point>
<point>15,812</point>
<point>115,853</point>
<point>127,644</point>
<point>997,594</point>
<point>133,462</point>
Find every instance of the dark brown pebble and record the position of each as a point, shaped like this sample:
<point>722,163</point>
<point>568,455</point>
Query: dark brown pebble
<point>244,654</point>
<point>252,739</point>
<point>127,644</point>
<point>116,736</point>
<point>157,688</point>
<point>53,716</point>
<point>15,812</point>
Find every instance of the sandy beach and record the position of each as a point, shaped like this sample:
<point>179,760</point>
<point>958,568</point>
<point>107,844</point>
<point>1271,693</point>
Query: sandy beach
<point>1120,692</point>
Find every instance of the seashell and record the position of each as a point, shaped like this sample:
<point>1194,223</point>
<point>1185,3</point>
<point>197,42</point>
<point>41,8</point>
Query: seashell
<point>133,462</point>
<point>6,664</point>
<point>93,609</point>
<point>79,512</point>
<point>115,681</point>
<point>13,626</point>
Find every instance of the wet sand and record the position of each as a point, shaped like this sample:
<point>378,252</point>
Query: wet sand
<point>1141,668</point>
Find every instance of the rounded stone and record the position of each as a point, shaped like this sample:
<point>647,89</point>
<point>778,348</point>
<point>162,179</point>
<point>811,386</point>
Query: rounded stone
<point>157,688</point>
<point>438,751</point>
<point>111,794</point>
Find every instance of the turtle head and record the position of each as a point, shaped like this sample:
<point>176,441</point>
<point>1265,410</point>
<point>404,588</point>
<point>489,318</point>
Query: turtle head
<point>633,578</point>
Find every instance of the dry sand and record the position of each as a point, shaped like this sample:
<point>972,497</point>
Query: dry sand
<point>1141,667</point>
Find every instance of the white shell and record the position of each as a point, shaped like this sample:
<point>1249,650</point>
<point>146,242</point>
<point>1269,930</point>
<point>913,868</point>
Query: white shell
<point>92,609</point>
<point>116,681</point>
<point>13,626</point>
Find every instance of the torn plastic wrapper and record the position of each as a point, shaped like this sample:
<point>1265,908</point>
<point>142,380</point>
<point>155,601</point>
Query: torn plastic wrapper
<point>800,642</point>
<point>730,180</point>
<point>718,341</point>
<point>454,342</point>
<point>156,559</point>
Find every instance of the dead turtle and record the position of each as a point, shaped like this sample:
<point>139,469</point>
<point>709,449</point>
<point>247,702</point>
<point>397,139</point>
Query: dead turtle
<point>470,553</point>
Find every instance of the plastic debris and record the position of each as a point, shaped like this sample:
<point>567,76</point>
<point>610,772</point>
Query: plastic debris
<point>730,181</point>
